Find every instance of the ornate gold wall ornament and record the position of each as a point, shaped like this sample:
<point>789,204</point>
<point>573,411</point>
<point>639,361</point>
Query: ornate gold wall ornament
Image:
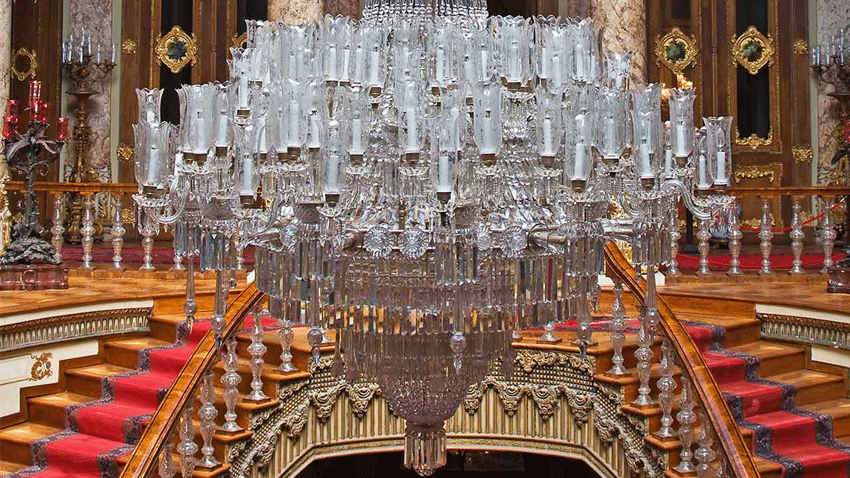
<point>755,223</point>
<point>754,141</point>
<point>772,171</point>
<point>676,50</point>
<point>128,47</point>
<point>125,152</point>
<point>176,49</point>
<point>753,50</point>
<point>239,41</point>
<point>803,155</point>
<point>24,64</point>
<point>41,367</point>
<point>801,47</point>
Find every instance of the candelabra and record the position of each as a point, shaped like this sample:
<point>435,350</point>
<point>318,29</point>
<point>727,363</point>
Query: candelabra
<point>29,261</point>
<point>428,181</point>
<point>86,65</point>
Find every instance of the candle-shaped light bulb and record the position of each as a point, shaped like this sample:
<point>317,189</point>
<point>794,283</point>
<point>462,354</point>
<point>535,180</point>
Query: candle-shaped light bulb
<point>544,62</point>
<point>314,141</point>
<point>153,160</point>
<point>440,65</point>
<point>358,65</point>
<point>547,137</point>
<point>346,63</point>
<point>444,177</point>
<point>201,145</point>
<point>332,66</point>
<point>375,61</point>
<point>514,67</point>
<point>412,133</point>
<point>356,135</point>
<point>247,188</point>
<point>294,123</point>
<point>578,54</point>
<point>489,144</point>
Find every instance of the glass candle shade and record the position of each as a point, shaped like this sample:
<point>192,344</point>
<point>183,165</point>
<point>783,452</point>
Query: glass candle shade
<point>584,52</point>
<point>154,158</point>
<point>612,124</point>
<point>481,54</point>
<point>442,52</point>
<point>61,129</point>
<point>553,56</point>
<point>681,121</point>
<point>719,147</point>
<point>646,123</point>
<point>513,40</point>
<point>221,118</point>
<point>703,171</point>
<point>240,66</point>
<point>245,160</point>
<point>410,130</point>
<point>335,35</point>
<point>487,102</point>
<point>197,117</point>
<point>356,136</point>
<point>149,104</point>
<point>296,116</point>
<point>619,70</point>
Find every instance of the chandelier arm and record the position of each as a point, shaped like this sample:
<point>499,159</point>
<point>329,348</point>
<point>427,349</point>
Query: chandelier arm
<point>700,211</point>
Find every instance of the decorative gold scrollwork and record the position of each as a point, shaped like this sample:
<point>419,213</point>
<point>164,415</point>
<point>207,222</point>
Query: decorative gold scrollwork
<point>125,152</point>
<point>24,71</point>
<point>176,49</point>
<point>41,366</point>
<point>128,47</point>
<point>752,50</point>
<point>676,50</point>
<point>801,47</point>
<point>803,155</point>
<point>771,171</point>
<point>754,141</point>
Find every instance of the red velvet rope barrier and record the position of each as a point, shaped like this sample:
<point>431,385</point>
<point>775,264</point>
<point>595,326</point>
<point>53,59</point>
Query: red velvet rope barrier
<point>806,223</point>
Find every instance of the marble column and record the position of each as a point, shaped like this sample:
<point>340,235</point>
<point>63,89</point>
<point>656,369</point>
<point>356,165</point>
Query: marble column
<point>5,77</point>
<point>295,11</point>
<point>625,30</point>
<point>96,17</point>
<point>832,16</point>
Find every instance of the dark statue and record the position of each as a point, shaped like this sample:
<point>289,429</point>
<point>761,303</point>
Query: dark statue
<point>28,154</point>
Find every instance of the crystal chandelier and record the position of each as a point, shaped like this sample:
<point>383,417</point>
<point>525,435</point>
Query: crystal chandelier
<point>427,182</point>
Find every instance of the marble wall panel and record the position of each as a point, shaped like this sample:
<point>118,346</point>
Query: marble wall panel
<point>96,17</point>
<point>295,11</point>
<point>625,30</point>
<point>832,15</point>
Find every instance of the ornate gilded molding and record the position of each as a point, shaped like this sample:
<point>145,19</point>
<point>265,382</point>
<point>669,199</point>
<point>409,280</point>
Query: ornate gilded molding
<point>125,152</point>
<point>239,41</point>
<point>805,330</point>
<point>128,47</point>
<point>41,367</point>
<point>771,171</point>
<point>803,155</point>
<point>176,49</point>
<point>62,328</point>
<point>25,71</point>
<point>754,141</point>
<point>753,50</point>
<point>801,47</point>
<point>676,50</point>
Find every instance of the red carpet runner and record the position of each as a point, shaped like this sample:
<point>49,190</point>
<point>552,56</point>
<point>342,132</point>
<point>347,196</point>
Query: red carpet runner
<point>801,442</point>
<point>100,432</point>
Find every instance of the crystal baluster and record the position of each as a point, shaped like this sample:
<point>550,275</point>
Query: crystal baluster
<point>797,236</point>
<point>703,236</point>
<point>766,236</point>
<point>704,453</point>
<point>686,418</point>
<point>666,385</point>
<point>88,232</point>
<point>646,336</point>
<point>618,327</point>
<point>117,232</point>
<point>178,262</point>
<point>166,461</point>
<point>230,380</point>
<point>829,236</point>
<point>735,236</point>
<point>675,235</point>
<point>187,447</point>
<point>147,248</point>
<point>207,413</point>
<point>285,335</point>
<point>58,229</point>
<point>257,349</point>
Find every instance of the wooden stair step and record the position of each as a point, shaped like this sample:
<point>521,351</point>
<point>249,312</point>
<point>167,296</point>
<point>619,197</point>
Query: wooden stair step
<point>164,326</point>
<point>774,357</point>
<point>125,352</point>
<point>839,410</point>
<point>767,468</point>
<point>87,380</point>
<point>51,409</point>
<point>812,386</point>
<point>7,467</point>
<point>739,330</point>
<point>15,441</point>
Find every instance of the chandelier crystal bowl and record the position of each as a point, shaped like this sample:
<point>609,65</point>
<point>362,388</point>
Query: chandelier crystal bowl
<point>427,182</point>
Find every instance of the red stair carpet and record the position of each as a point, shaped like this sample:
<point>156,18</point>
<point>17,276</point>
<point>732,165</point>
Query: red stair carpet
<point>800,441</point>
<point>100,432</point>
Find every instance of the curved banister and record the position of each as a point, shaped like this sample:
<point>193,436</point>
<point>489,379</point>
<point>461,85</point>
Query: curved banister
<point>167,416</point>
<point>716,409</point>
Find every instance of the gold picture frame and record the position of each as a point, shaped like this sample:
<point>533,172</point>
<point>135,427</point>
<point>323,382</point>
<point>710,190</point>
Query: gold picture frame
<point>676,50</point>
<point>177,49</point>
<point>752,50</point>
<point>29,71</point>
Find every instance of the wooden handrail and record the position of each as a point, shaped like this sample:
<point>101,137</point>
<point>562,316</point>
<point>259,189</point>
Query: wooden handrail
<point>70,187</point>
<point>167,416</point>
<point>830,191</point>
<point>716,409</point>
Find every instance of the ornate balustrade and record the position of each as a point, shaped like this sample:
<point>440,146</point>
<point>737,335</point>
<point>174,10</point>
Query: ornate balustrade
<point>81,211</point>
<point>827,198</point>
<point>281,413</point>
